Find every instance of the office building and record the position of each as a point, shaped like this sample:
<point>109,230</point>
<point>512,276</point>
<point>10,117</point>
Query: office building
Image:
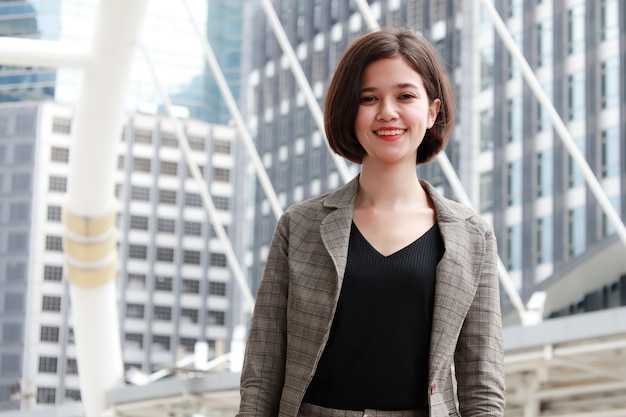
<point>174,284</point>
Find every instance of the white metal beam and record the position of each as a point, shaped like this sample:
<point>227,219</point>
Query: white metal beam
<point>43,53</point>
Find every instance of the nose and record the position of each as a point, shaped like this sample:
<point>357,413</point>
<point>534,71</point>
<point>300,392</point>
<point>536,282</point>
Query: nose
<point>387,111</point>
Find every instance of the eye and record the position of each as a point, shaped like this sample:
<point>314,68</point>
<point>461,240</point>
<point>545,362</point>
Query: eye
<point>407,96</point>
<point>367,99</point>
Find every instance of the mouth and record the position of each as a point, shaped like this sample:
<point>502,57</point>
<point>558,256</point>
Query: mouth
<point>390,134</point>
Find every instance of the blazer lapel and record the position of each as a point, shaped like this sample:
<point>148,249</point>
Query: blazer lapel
<point>335,227</point>
<point>455,283</point>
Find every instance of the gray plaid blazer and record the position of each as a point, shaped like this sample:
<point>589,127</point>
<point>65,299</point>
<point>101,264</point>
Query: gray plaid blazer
<point>296,302</point>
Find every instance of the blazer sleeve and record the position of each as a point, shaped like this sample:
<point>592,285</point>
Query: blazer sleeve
<point>263,372</point>
<point>479,357</point>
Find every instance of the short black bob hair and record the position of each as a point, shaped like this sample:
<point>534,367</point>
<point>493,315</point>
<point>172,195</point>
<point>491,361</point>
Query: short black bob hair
<point>342,97</point>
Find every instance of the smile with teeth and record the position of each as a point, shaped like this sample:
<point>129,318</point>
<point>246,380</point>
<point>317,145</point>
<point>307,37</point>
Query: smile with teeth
<point>390,132</point>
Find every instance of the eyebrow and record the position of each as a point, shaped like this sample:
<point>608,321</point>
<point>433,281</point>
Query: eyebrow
<point>396,86</point>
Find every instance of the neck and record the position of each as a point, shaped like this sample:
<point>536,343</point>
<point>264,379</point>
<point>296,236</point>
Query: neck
<point>392,187</point>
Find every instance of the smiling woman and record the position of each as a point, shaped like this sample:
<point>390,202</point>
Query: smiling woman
<point>372,293</point>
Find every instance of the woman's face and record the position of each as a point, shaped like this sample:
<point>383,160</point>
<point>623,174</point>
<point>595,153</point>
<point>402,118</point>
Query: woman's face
<point>394,112</point>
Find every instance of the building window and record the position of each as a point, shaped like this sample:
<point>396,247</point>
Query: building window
<point>214,233</point>
<point>486,130</point>
<point>190,313</point>
<point>52,273</point>
<point>609,83</point>
<point>167,197</point>
<point>221,174</point>
<point>20,182</point>
<point>191,286</point>
<point>165,254</point>
<point>163,284</point>
<point>46,395</point>
<point>11,334</point>
<point>19,212</point>
<point>135,311</point>
<point>72,394</point>
<point>574,172</point>
<point>221,203</point>
<point>610,152</point>
<point>142,165</point>
<point>51,303</point>
<point>166,225</point>
<point>514,119</point>
<point>486,68</point>
<point>137,281</point>
<point>140,193</point>
<point>54,213</point>
<point>544,43</point>
<point>134,340</point>
<point>544,173</point>
<point>576,96</point>
<point>514,183</point>
<point>193,228</point>
<point>218,259</point>
<point>57,184</point>
<point>48,365</point>
<point>49,334</point>
<point>23,153</point>
<point>486,192</point>
<point>608,228</point>
<point>196,143</point>
<point>163,313</point>
<point>59,154</point>
<point>137,251</point>
<point>139,222</point>
<point>217,288</point>
<point>576,231</point>
<point>188,343</point>
<point>216,318</point>
<point>544,123</point>
<point>72,367</point>
<point>169,168</point>
<point>61,125</point>
<point>162,342</point>
<point>193,200</point>
<point>191,257</point>
<point>576,29</point>
<point>609,19</point>
<point>221,146</point>
<point>13,302</point>
<point>544,240</point>
<point>17,241</point>
<point>169,140</point>
<point>54,243</point>
<point>143,136</point>
<point>514,248</point>
<point>16,271</point>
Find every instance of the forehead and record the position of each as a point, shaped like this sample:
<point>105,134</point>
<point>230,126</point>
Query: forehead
<point>392,71</point>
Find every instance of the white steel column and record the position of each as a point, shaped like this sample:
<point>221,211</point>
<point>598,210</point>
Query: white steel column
<point>89,212</point>
<point>457,187</point>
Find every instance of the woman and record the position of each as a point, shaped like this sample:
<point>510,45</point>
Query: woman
<point>373,293</point>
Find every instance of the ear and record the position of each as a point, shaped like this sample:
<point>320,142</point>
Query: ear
<point>433,111</point>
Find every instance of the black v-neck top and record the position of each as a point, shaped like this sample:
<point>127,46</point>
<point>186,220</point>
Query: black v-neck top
<point>377,353</point>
